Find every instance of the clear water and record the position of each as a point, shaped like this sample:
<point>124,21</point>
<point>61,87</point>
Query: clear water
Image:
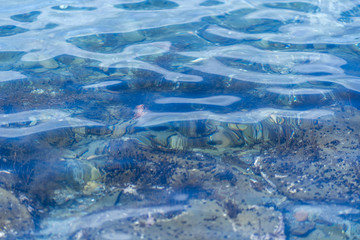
<point>186,119</point>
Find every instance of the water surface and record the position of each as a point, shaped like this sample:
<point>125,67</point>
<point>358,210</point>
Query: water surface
<point>179,119</point>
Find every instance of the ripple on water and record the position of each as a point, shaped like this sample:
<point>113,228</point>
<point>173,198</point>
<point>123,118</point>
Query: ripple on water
<point>141,119</point>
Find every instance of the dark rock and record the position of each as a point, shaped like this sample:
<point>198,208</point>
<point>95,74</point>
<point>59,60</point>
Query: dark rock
<point>302,229</point>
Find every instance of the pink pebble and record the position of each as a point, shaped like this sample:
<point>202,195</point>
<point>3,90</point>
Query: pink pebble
<point>301,215</point>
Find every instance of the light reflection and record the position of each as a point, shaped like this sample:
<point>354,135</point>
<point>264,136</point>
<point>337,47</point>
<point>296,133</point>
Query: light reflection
<point>39,121</point>
<point>254,116</point>
<point>215,100</point>
<point>10,75</point>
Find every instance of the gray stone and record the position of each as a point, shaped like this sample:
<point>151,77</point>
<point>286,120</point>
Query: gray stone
<point>14,217</point>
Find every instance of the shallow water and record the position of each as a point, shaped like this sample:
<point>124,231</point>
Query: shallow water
<point>179,119</point>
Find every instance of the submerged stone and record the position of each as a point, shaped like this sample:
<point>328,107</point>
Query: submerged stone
<point>14,218</point>
<point>49,63</point>
<point>322,165</point>
<point>206,219</point>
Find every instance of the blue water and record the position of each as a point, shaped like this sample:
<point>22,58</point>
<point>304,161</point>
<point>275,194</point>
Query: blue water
<point>198,119</point>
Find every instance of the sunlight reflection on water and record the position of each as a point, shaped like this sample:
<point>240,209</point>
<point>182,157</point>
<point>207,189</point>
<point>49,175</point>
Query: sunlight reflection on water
<point>142,119</point>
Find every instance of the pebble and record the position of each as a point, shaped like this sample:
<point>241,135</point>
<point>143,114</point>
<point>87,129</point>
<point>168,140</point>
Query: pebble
<point>301,216</point>
<point>49,64</point>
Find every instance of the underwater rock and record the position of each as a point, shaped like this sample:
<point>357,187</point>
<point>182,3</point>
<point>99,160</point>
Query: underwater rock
<point>60,138</point>
<point>8,180</point>
<point>193,174</point>
<point>302,229</point>
<point>200,219</point>
<point>193,129</point>
<point>14,217</point>
<point>301,216</point>
<point>322,164</point>
<point>135,36</point>
<point>55,182</point>
<point>49,63</point>
<point>206,219</point>
<point>212,136</point>
<point>333,221</point>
